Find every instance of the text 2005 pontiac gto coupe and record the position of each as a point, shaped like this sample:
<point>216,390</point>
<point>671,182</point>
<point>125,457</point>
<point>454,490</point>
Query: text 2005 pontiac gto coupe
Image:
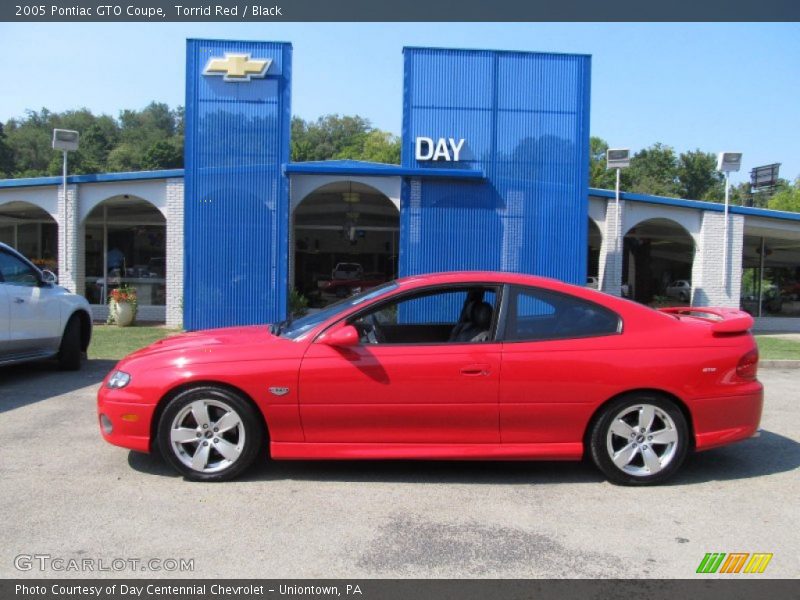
<point>471,365</point>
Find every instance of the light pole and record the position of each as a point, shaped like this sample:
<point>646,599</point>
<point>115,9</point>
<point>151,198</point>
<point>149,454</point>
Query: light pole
<point>65,140</point>
<point>727,162</point>
<point>618,159</point>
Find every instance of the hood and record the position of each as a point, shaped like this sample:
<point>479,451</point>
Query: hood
<point>229,343</point>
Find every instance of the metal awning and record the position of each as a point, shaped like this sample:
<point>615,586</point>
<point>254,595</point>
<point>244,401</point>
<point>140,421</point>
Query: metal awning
<point>372,169</point>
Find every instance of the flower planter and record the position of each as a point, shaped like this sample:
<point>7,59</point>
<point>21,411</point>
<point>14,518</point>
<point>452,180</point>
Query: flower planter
<point>122,313</point>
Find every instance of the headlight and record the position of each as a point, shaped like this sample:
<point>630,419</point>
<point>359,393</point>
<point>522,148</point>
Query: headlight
<point>118,379</point>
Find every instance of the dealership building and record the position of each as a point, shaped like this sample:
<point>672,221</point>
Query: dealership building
<point>493,175</point>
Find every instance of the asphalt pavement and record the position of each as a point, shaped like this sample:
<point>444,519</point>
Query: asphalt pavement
<point>69,496</point>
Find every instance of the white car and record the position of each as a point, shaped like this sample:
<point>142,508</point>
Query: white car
<point>680,289</point>
<point>347,271</point>
<point>39,319</point>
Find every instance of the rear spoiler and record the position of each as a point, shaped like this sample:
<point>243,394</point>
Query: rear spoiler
<point>723,320</point>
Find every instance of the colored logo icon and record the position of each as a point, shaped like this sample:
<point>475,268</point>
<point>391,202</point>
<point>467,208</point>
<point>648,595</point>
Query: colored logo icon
<point>237,67</point>
<point>735,562</point>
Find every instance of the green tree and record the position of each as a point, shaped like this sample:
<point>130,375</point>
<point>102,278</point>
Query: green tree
<point>341,137</point>
<point>6,156</point>
<point>653,170</point>
<point>164,154</point>
<point>787,198</point>
<point>30,140</point>
<point>125,157</point>
<point>378,146</point>
<point>698,178</point>
<point>147,138</point>
<point>599,175</point>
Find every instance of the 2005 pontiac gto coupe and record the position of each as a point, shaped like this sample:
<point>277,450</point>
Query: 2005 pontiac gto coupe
<point>465,365</point>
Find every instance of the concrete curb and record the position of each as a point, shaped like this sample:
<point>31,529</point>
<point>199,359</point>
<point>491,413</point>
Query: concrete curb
<point>779,364</point>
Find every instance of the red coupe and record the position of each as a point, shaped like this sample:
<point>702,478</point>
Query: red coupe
<point>470,365</point>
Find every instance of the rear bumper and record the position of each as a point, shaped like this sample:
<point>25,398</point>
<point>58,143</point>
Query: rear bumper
<point>129,420</point>
<point>726,419</point>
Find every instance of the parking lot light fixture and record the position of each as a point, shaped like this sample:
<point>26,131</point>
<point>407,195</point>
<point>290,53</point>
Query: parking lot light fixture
<point>727,162</point>
<point>65,140</point>
<point>617,158</point>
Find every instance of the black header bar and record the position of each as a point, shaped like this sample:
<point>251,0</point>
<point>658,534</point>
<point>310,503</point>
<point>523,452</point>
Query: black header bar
<point>403,10</point>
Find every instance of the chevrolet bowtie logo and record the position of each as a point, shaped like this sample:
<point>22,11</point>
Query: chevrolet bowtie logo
<point>237,67</point>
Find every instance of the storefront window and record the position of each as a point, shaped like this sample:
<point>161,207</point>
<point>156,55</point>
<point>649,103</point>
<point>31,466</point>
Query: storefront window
<point>126,245</point>
<point>32,232</point>
<point>779,292</point>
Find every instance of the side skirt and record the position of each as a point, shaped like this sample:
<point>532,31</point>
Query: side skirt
<point>344,451</point>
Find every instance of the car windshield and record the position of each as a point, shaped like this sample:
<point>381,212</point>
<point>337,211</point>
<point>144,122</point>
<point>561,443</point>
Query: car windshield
<point>293,329</point>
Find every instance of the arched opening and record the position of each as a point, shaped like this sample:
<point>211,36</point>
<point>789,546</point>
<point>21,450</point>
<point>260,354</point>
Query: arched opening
<point>657,263</point>
<point>126,244</point>
<point>346,237</point>
<point>32,231</point>
<point>593,259</point>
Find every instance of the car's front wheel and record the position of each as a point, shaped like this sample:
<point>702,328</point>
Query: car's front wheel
<point>210,433</point>
<point>639,440</point>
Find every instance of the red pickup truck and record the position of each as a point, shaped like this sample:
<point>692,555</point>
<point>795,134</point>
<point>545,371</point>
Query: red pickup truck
<point>342,288</point>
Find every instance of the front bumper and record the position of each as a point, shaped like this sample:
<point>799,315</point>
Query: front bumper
<point>726,419</point>
<point>128,416</point>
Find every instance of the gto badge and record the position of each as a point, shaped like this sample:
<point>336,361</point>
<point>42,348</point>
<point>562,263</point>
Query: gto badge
<point>278,391</point>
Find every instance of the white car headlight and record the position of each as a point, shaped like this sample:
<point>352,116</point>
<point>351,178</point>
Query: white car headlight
<point>118,379</point>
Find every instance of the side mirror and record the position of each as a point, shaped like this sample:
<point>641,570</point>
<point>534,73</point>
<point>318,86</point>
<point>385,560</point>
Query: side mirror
<point>49,277</point>
<point>344,337</point>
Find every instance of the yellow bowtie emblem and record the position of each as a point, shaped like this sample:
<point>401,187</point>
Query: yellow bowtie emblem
<point>237,67</point>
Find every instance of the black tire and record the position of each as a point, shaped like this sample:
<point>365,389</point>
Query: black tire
<point>636,471</point>
<point>251,427</point>
<point>70,355</point>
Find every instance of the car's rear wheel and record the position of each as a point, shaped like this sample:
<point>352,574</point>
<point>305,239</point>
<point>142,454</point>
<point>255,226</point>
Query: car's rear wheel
<point>639,439</point>
<point>69,352</point>
<point>210,433</point>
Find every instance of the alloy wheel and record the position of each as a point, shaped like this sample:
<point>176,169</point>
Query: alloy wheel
<point>207,435</point>
<point>642,440</point>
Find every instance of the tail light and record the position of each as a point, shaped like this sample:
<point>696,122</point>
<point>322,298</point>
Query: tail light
<point>748,365</point>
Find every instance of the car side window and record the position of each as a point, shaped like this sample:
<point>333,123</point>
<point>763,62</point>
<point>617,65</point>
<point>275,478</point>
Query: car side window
<point>13,271</point>
<point>451,315</point>
<point>537,314</point>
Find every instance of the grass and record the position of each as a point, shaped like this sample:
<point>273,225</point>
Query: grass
<point>110,342</point>
<point>778,348</point>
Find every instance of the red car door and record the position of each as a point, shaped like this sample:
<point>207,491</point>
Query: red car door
<point>415,388</point>
<point>558,364</point>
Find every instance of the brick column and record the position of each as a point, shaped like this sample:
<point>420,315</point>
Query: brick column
<point>610,275</point>
<point>70,241</point>
<point>175,252</point>
<point>708,287</point>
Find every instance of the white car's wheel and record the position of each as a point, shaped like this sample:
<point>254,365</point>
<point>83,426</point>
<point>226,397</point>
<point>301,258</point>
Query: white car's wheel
<point>70,354</point>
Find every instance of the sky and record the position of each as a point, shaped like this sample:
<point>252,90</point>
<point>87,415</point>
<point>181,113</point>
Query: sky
<point>717,87</point>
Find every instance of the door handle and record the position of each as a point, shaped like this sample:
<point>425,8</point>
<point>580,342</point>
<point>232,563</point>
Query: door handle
<point>475,370</point>
<point>19,300</point>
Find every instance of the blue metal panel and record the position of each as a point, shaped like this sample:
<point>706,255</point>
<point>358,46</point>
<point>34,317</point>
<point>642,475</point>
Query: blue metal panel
<point>525,121</point>
<point>236,196</point>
